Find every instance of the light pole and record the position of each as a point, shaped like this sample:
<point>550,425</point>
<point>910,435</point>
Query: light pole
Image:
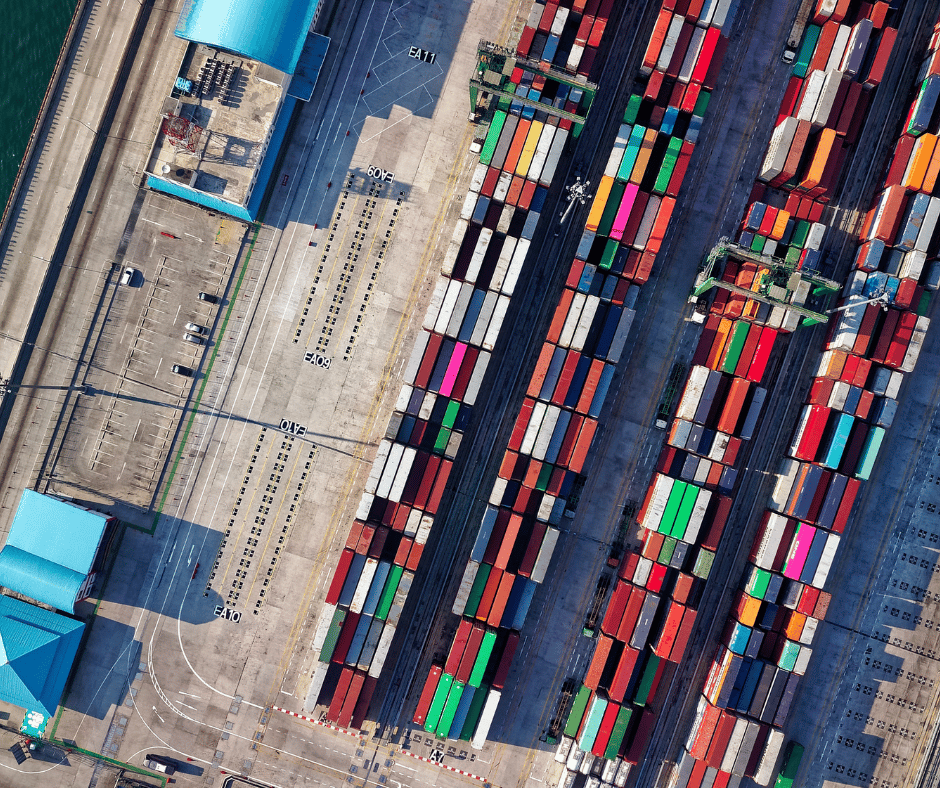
<point>577,195</point>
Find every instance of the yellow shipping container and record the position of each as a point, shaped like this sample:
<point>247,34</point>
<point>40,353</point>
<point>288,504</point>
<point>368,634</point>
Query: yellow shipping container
<point>643,157</point>
<point>919,162</point>
<point>600,202</point>
<point>528,150</point>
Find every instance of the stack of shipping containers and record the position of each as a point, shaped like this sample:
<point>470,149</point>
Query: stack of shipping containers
<point>481,267</point>
<point>765,646</point>
<point>553,431</point>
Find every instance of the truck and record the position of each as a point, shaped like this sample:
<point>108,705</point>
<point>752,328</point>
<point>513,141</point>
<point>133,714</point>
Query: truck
<point>796,31</point>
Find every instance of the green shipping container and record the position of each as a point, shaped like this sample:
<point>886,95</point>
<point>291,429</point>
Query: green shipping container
<point>645,684</point>
<point>492,137</point>
<point>450,415</point>
<point>788,655</point>
<point>800,233</point>
<point>701,103</point>
<point>577,711</point>
<point>592,723</point>
<point>793,254</point>
<point>758,584</point>
<point>870,452</point>
<point>388,593</point>
<point>685,511</point>
<point>735,346</point>
<point>442,437</point>
<point>633,107</point>
<point>450,709</point>
<point>437,703</point>
<point>668,548</point>
<point>476,590</point>
<point>791,765</point>
<point>808,47</point>
<point>664,174</point>
<point>610,208</point>
<point>631,152</point>
<point>476,709</point>
<point>610,251</point>
<point>924,305</point>
<point>672,507</point>
<point>757,245</point>
<point>619,732</point>
<point>545,476</point>
<point>703,563</point>
<point>332,635</point>
<point>483,657</point>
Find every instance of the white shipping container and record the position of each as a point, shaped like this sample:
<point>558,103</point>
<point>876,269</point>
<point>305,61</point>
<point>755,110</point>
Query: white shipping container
<point>541,151</point>
<point>777,316</point>
<point>496,322</point>
<point>701,472</point>
<point>813,87</point>
<point>616,154</point>
<point>453,249</point>
<point>916,344</point>
<point>316,684</point>
<point>447,305</point>
<point>785,479</point>
<point>647,222</point>
<point>398,603</point>
<point>838,47</point>
<point>894,384</point>
<point>814,238</point>
<point>571,321</point>
<point>912,264</point>
<point>669,44</point>
<point>499,194</point>
<point>460,308</point>
<point>483,319</point>
<point>545,555</point>
<point>437,299</point>
<point>927,227</point>
<point>692,394</point>
<point>734,744</point>
<point>388,472</point>
<point>466,583</point>
<point>427,405</point>
<point>531,222</point>
<point>564,747</point>
<point>412,523</point>
<point>479,175</point>
<point>417,353</point>
<point>558,24</point>
<point>809,631</point>
<point>770,541</point>
<point>502,263</point>
<point>574,57</point>
<point>365,504</point>
<point>855,284</point>
<point>476,259</point>
<point>498,491</point>
<point>698,516</point>
<point>515,266</point>
<point>766,767</point>
<point>825,561</point>
<point>778,148</point>
<point>535,421</point>
<point>724,16</point>
<point>642,572</point>
<point>545,432</point>
<point>362,587</point>
<point>378,465</point>
<point>469,205</point>
<point>323,627</point>
<point>476,378</point>
<point>691,54</point>
<point>802,660</point>
<point>424,529</point>
<point>623,772</point>
<point>840,392</point>
<point>381,651</point>
<point>707,12</point>
<point>657,505</point>
<point>747,749</point>
<point>719,446</point>
<point>544,513</point>
<point>584,323</point>
<point>401,476</point>
<point>827,97</point>
<point>554,155</point>
<point>696,724</point>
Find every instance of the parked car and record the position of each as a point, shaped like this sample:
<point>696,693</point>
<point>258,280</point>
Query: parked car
<point>179,369</point>
<point>208,297</point>
<point>194,338</point>
<point>195,328</point>
<point>128,276</point>
<point>160,763</point>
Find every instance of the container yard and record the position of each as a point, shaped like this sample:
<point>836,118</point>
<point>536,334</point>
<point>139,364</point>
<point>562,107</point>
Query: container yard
<point>626,476</point>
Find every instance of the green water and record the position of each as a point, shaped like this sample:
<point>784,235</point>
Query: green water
<point>30,41</point>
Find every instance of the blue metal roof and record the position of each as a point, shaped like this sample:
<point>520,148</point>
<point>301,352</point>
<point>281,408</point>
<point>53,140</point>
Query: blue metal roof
<point>271,31</point>
<point>37,649</point>
<point>50,550</point>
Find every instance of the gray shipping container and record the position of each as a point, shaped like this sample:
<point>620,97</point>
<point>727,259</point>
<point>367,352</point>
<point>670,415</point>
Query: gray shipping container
<point>830,507</point>
<point>551,375</point>
<point>708,396</point>
<point>777,685</point>
<point>783,710</point>
<point>505,140</point>
<point>644,623</point>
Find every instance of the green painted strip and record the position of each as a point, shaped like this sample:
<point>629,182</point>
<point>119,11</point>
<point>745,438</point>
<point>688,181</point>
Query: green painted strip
<point>735,346</point>
<point>685,511</point>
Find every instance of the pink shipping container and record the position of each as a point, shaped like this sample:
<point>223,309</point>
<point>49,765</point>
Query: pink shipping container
<point>799,549</point>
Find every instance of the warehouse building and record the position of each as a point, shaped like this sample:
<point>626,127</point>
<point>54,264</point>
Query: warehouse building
<point>54,551</point>
<point>248,64</point>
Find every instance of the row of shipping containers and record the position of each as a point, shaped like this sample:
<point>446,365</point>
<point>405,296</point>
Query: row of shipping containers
<point>442,379</point>
<point>553,432</point>
<point>765,646</point>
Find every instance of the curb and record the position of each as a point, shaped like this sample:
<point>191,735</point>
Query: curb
<point>316,722</point>
<point>444,766</point>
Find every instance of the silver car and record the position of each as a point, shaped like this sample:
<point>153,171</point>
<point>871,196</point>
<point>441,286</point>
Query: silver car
<point>194,338</point>
<point>195,328</point>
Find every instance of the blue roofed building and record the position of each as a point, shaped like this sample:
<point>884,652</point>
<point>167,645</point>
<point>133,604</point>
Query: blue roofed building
<point>37,650</point>
<point>248,64</point>
<point>54,550</point>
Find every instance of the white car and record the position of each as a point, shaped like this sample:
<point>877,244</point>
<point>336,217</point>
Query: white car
<point>194,338</point>
<point>128,276</point>
<point>195,328</point>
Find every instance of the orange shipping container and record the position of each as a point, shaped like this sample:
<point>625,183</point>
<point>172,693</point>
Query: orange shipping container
<point>518,143</point>
<point>824,149</point>
<point>600,202</point>
<point>746,609</point>
<point>643,157</point>
<point>598,661</point>
<point>734,404</point>
<point>780,225</point>
<point>933,170</point>
<point>919,162</point>
<point>718,345</point>
<point>502,597</point>
<point>795,625</point>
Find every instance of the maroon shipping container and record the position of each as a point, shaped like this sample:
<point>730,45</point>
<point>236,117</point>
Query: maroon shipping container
<point>525,41</point>
<point>339,577</point>
<point>703,349</point>
<point>641,738</point>
<point>532,550</point>
<point>427,482</point>
<point>844,123</point>
<point>428,361</point>
<point>458,646</point>
<point>505,661</point>
<point>706,732</point>
<point>615,608</point>
<point>568,442</point>
<point>352,696</point>
<point>440,482</point>
<point>852,488</point>
<point>684,635</point>
<point>565,378</point>
<point>465,668</point>
<point>427,695</point>
<point>717,516</point>
<point>364,701</point>
<point>339,694</point>
<point>714,68</point>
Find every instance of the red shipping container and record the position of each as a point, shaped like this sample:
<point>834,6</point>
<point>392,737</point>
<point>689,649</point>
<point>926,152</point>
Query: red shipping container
<point>428,360</point>
<point>352,538</point>
<point>812,433</point>
<point>844,122</point>
<point>714,68</point>
<point>561,314</point>
<point>731,451</point>
<point>590,386</point>
<point>820,391</point>
<point>404,547</point>
<point>885,335</point>
<point>532,549</point>
<point>822,606</point>
<point>660,226</point>
<point>657,38</point>
<point>615,608</point>
<point>682,165</point>
<point>734,405</point>
<point>630,614</point>
<point>706,732</point>
<point>598,661</point>
<point>345,637</point>
<point>427,695</point>
<point>522,422</point>
<point>882,56</point>
<point>414,557</point>
<point>720,740</point>
<point>623,674</point>
<point>458,646</point>
<point>548,16</point>
<point>585,437</point>
<point>440,482</point>
<point>827,38</point>
<point>566,376</point>
<point>378,541</point>
<point>808,599</point>
<point>645,267</point>
<point>652,544</point>
<point>657,577</point>
<point>525,41</point>
<point>762,355</point>
<point>489,594</point>
<point>568,442</point>
<point>718,511</point>
<point>339,577</point>
<point>670,629</point>
<point>352,696</point>
<point>501,598</point>
<point>339,694</point>
<point>906,292</point>
<point>865,403</point>
<point>653,85</point>
<point>706,340</point>
<point>628,565</point>
<point>683,636</point>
